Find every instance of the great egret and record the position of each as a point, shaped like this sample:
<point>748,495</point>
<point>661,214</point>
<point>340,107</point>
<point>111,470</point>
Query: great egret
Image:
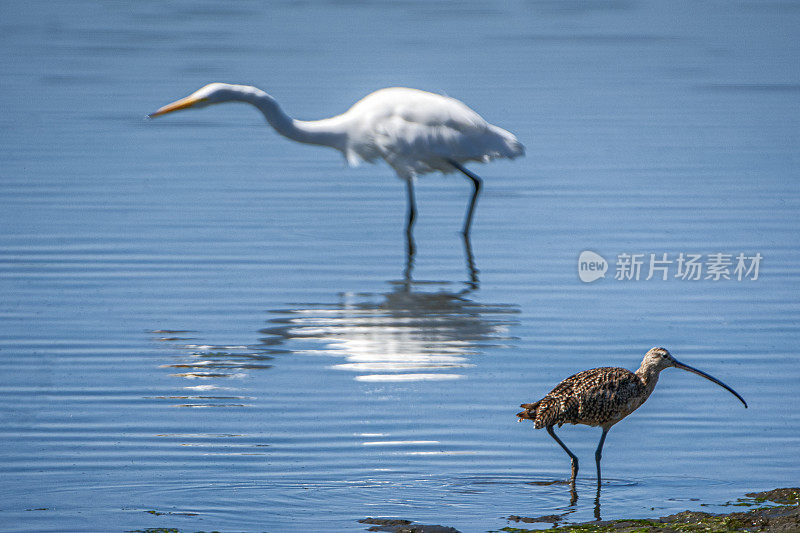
<point>415,132</point>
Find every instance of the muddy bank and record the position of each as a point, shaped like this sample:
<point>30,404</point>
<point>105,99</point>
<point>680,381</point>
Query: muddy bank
<point>774,511</point>
<point>394,525</point>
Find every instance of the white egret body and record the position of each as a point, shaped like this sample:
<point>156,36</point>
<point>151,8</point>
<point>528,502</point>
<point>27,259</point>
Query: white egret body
<point>415,132</point>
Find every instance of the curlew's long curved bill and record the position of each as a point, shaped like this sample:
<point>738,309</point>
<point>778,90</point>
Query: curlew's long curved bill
<point>183,103</point>
<point>709,378</point>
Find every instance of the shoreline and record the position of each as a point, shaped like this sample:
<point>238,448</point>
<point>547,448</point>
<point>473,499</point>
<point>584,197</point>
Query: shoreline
<point>772,511</point>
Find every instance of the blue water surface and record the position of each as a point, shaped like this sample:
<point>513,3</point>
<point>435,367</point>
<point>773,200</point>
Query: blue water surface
<point>204,326</point>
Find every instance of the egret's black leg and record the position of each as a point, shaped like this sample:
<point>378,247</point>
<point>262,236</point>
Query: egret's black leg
<point>598,453</point>
<point>573,459</point>
<point>476,184</point>
<point>412,215</point>
<point>409,262</point>
<point>473,271</point>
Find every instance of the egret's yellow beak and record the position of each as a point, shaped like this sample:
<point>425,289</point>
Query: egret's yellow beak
<point>183,103</point>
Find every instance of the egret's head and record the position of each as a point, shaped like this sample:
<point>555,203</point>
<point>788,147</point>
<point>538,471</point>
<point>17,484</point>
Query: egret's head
<point>213,93</point>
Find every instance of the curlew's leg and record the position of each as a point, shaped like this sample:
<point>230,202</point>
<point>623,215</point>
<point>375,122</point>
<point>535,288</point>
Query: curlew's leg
<point>598,454</point>
<point>412,215</point>
<point>597,504</point>
<point>573,459</point>
<point>476,189</point>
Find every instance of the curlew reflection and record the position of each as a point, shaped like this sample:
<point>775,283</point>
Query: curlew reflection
<point>560,518</point>
<point>416,331</point>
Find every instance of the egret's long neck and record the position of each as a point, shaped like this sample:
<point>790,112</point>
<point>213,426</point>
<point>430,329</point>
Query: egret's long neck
<point>327,132</point>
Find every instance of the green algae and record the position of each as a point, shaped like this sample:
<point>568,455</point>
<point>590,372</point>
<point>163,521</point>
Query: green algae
<point>776,510</point>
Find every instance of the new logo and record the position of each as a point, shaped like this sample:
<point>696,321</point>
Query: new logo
<point>591,266</point>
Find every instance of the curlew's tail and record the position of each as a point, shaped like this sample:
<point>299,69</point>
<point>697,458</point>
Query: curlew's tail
<point>529,413</point>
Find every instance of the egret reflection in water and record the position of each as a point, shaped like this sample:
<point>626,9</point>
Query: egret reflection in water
<point>417,331</point>
<point>414,332</point>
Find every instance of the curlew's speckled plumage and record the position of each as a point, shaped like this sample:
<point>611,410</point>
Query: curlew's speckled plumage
<point>602,397</point>
<point>596,397</point>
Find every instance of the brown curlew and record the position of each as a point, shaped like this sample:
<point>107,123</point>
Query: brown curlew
<point>602,397</point>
